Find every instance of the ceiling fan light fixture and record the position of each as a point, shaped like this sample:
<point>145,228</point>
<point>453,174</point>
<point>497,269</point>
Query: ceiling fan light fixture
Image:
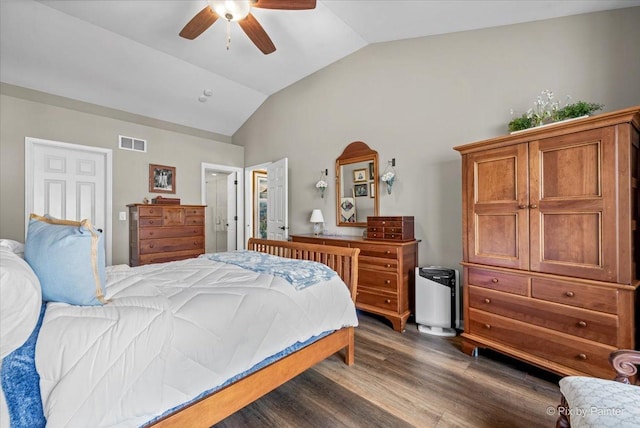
<point>231,10</point>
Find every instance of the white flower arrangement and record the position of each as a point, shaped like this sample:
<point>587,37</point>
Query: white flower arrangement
<point>388,177</point>
<point>321,184</point>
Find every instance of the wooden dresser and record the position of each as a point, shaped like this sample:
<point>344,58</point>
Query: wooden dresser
<point>551,243</point>
<point>163,233</point>
<point>386,269</point>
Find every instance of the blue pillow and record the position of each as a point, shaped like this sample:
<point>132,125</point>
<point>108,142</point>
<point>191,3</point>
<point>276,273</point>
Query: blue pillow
<point>68,259</point>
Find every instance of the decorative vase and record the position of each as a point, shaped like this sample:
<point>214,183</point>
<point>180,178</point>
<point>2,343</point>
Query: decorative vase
<point>389,185</point>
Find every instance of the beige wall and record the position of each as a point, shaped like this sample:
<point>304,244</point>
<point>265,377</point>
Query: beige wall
<point>414,100</point>
<point>20,118</point>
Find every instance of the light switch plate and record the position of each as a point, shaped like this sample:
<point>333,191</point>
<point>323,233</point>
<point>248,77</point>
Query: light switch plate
<point>122,216</point>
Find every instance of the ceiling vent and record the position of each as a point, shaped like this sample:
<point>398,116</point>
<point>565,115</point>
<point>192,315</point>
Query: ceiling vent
<point>135,144</point>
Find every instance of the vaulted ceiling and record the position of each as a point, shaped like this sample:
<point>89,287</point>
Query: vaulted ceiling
<point>127,55</point>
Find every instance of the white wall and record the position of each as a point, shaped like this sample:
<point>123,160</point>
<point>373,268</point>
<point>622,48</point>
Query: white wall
<point>414,100</point>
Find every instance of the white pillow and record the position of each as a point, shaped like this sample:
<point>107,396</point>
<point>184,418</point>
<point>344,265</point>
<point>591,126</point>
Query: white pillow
<point>20,301</point>
<point>15,246</point>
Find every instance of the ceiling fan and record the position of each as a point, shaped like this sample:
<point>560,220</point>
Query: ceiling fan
<point>240,11</point>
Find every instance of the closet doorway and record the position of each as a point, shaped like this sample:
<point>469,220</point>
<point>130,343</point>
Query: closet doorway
<point>220,193</point>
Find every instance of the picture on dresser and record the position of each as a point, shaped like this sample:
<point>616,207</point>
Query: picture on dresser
<point>360,189</point>
<point>162,179</point>
<point>359,175</point>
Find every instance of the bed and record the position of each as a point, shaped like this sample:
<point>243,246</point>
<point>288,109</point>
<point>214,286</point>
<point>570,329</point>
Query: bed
<point>210,394</point>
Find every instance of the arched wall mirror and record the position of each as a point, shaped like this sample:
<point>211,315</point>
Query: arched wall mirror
<point>356,183</point>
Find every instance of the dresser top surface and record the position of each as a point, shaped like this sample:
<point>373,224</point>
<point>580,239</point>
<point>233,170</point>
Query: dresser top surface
<point>355,239</point>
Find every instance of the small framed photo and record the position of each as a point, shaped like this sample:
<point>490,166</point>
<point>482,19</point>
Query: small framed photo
<point>360,189</point>
<point>372,189</point>
<point>371,177</point>
<point>360,175</point>
<point>162,179</point>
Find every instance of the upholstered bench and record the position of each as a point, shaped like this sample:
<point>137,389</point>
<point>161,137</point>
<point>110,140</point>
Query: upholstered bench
<point>598,403</point>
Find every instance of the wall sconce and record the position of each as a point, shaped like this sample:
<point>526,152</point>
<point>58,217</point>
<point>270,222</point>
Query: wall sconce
<point>389,175</point>
<point>322,183</point>
<point>317,219</point>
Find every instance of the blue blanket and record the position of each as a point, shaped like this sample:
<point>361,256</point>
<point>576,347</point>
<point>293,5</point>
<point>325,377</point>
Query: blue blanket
<point>299,273</point>
<point>21,383</point>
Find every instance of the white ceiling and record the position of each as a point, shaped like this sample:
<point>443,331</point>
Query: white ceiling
<point>127,55</point>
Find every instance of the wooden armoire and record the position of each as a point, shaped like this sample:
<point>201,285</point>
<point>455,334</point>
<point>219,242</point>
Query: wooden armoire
<point>551,243</point>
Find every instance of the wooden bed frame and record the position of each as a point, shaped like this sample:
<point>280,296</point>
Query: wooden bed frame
<point>217,406</point>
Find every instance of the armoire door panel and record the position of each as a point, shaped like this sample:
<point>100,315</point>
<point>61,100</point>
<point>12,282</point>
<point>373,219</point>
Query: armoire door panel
<point>499,225</point>
<point>573,215</point>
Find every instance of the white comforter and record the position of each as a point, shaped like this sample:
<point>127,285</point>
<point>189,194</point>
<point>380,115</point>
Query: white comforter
<point>170,332</point>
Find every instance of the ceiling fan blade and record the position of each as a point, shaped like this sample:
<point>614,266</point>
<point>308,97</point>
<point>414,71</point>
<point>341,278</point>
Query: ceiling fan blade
<point>203,20</point>
<point>285,4</point>
<point>256,33</point>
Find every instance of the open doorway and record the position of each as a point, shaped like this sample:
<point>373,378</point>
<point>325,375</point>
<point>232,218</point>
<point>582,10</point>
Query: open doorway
<point>222,194</point>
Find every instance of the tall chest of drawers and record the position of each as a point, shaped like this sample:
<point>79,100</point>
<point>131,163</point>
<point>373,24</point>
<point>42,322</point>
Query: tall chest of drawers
<point>164,233</point>
<point>551,243</point>
<point>386,269</point>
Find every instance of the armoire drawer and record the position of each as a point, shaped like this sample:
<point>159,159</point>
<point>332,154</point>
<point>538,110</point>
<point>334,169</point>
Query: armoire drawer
<point>497,280</point>
<point>382,301</point>
<point>578,322</point>
<point>579,354</point>
<point>574,294</point>
<point>148,246</point>
<point>385,281</point>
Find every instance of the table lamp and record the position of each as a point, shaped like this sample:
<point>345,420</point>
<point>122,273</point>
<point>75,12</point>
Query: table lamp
<point>317,220</point>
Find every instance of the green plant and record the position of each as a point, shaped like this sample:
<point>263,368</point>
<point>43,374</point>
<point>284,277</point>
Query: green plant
<point>581,108</point>
<point>522,122</point>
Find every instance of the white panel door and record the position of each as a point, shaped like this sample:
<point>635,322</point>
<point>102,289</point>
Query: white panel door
<point>232,211</point>
<point>69,182</point>
<point>277,200</point>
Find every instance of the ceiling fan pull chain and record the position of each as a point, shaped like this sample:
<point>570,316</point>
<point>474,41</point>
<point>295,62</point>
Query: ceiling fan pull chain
<point>228,33</point>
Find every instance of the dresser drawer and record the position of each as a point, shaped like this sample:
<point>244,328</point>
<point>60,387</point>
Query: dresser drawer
<point>149,211</point>
<point>389,265</point>
<point>194,220</point>
<point>170,244</point>
<point>194,211</point>
<point>575,321</point>
<point>150,222</point>
<point>574,294</point>
<point>170,232</point>
<point>385,281</point>
<point>145,259</point>
<point>382,301</point>
<point>496,280</point>
<point>172,216</point>
<point>373,250</point>
<point>579,354</point>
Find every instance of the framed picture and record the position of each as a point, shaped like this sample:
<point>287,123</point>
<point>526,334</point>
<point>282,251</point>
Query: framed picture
<point>162,179</point>
<point>360,175</point>
<point>259,191</point>
<point>360,189</point>
<point>371,177</point>
<point>372,189</point>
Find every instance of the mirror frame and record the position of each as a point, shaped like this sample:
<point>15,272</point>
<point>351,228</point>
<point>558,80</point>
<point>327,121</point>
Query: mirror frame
<point>356,152</point>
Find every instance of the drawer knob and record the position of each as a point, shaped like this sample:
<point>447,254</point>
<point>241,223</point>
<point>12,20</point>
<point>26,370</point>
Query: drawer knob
<point>582,356</point>
<point>534,206</point>
<point>569,294</point>
<point>388,252</point>
<point>487,326</point>
<point>388,281</point>
<point>522,207</point>
<point>150,245</point>
<point>150,221</point>
<point>387,301</point>
<point>582,324</point>
<point>487,300</point>
<point>494,280</point>
<point>388,265</point>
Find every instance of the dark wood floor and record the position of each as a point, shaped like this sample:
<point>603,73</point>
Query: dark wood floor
<point>408,380</point>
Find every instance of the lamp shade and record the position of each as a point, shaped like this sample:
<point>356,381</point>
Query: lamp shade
<point>316,216</point>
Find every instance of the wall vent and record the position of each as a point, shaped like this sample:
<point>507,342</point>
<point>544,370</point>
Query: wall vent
<point>135,144</point>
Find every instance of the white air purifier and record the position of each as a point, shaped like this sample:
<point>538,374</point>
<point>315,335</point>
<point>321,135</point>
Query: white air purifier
<point>437,300</point>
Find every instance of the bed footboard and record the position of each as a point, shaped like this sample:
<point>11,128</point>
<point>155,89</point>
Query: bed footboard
<point>341,259</point>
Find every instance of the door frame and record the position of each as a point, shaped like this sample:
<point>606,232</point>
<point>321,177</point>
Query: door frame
<point>248,196</point>
<point>204,166</point>
<point>29,148</point>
